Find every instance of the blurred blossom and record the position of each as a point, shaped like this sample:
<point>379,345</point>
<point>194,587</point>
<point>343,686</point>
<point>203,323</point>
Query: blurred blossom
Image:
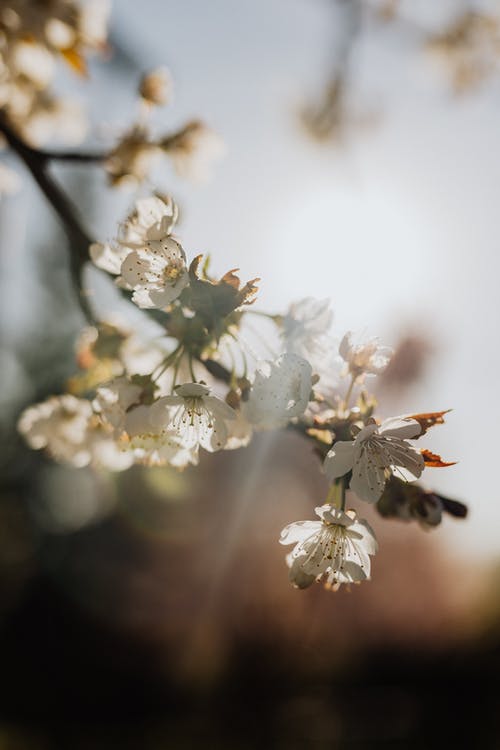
<point>363,358</point>
<point>469,49</point>
<point>34,37</point>
<point>156,87</point>
<point>133,158</point>
<point>193,150</point>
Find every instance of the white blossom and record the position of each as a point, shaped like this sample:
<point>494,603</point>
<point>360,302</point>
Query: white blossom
<point>366,358</point>
<point>193,150</point>
<point>145,257</point>
<point>152,219</point>
<point>375,453</point>
<point>114,399</point>
<point>67,429</point>
<point>306,327</point>
<point>108,256</point>
<point>194,417</point>
<point>133,158</point>
<point>152,446</point>
<point>280,392</point>
<point>337,548</point>
<point>157,273</point>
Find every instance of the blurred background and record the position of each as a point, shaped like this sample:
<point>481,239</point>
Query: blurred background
<point>362,165</point>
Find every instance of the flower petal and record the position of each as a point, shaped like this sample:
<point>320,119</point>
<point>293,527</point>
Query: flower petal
<point>299,531</point>
<point>400,427</point>
<point>339,460</point>
<point>368,477</point>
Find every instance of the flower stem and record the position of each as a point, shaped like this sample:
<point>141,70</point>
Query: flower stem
<point>191,369</point>
<point>166,363</point>
<point>336,494</point>
<point>345,404</point>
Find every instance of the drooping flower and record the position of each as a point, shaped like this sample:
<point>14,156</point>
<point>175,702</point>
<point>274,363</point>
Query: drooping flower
<point>336,549</point>
<point>194,417</point>
<point>306,327</point>
<point>366,358</point>
<point>375,454</point>
<point>280,392</point>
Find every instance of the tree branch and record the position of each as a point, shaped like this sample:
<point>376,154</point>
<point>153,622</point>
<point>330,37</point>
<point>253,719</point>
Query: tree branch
<point>37,163</point>
<point>74,156</point>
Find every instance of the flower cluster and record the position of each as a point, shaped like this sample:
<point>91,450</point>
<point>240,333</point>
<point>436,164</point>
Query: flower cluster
<point>198,386</point>
<point>33,37</point>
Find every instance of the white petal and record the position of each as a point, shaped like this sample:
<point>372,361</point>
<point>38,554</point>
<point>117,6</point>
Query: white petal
<point>350,572</point>
<point>364,529</point>
<point>400,427</point>
<point>107,257</point>
<point>345,346</point>
<point>219,408</point>
<point>280,392</point>
<point>214,436</point>
<point>298,577</point>
<point>299,531</point>
<point>339,460</point>
<point>142,298</point>
<point>163,297</point>
<point>368,477</point>
<point>160,415</point>
<point>405,456</point>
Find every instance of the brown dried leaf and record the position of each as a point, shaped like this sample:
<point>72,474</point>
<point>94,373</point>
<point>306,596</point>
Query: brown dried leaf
<point>434,460</point>
<point>429,419</point>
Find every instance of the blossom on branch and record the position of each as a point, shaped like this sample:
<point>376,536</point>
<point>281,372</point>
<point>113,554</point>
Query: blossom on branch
<point>375,454</point>
<point>306,326</point>
<point>194,416</point>
<point>145,257</point>
<point>281,391</point>
<point>336,549</point>
<point>156,272</point>
<point>364,358</point>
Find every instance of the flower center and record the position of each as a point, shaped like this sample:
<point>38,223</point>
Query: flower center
<point>173,271</point>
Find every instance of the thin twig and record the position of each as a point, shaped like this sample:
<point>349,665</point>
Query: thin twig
<point>74,156</point>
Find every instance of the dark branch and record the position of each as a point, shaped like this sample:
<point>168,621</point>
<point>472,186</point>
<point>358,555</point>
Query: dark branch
<point>73,156</point>
<point>37,163</point>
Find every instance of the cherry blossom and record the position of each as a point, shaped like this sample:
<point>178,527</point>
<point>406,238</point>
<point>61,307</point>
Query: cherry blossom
<point>337,548</point>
